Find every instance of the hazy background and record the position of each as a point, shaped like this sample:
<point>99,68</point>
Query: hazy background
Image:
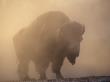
<point>94,57</point>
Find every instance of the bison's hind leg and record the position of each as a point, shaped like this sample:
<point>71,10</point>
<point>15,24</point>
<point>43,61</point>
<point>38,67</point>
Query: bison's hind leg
<point>41,69</point>
<point>23,70</point>
<point>42,75</point>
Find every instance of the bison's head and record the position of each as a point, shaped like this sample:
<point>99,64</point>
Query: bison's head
<point>71,34</point>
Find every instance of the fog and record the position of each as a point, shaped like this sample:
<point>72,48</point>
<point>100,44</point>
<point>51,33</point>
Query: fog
<point>94,55</point>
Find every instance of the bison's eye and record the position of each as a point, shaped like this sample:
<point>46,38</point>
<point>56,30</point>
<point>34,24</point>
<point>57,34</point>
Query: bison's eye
<point>79,39</point>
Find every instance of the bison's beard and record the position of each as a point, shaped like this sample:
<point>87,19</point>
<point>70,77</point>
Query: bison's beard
<point>72,57</point>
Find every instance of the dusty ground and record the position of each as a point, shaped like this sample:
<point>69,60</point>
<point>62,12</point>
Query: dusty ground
<point>82,79</point>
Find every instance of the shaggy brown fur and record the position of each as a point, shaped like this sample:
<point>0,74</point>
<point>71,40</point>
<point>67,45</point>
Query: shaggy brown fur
<point>50,38</point>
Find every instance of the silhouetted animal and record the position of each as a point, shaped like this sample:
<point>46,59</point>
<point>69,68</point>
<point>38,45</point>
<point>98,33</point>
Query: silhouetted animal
<point>50,38</point>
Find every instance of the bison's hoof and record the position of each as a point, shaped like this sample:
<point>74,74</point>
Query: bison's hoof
<point>60,77</point>
<point>42,79</point>
<point>32,79</point>
<point>27,79</point>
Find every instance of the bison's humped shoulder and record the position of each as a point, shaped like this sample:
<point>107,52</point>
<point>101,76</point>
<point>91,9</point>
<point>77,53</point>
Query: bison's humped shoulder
<point>49,19</point>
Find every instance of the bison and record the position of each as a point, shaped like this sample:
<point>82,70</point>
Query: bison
<point>51,38</point>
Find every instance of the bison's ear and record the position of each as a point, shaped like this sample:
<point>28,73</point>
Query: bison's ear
<point>83,29</point>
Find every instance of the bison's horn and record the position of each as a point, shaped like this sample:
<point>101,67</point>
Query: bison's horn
<point>83,29</point>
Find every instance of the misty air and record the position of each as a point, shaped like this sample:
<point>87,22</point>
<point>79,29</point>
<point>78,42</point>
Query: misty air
<point>54,39</point>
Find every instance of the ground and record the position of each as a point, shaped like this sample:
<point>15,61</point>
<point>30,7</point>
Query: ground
<point>81,79</point>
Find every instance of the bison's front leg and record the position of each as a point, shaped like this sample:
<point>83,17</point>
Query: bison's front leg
<point>56,67</point>
<point>59,75</point>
